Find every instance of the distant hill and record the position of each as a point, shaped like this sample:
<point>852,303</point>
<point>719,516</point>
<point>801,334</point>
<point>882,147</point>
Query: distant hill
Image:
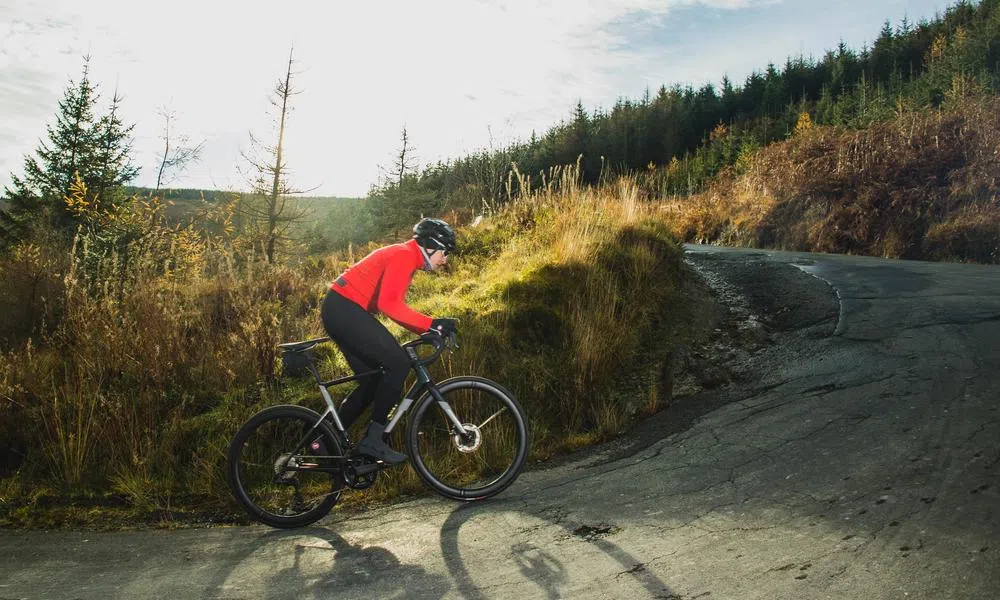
<point>331,222</point>
<point>185,201</point>
<point>195,195</point>
<point>176,194</point>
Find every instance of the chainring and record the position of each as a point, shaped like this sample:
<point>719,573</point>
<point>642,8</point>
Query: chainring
<point>359,482</point>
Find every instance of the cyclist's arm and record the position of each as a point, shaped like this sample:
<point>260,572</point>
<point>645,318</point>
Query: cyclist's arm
<point>392,293</point>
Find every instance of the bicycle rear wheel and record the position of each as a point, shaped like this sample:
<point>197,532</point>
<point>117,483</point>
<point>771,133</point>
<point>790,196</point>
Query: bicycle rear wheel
<point>273,466</point>
<point>481,464</point>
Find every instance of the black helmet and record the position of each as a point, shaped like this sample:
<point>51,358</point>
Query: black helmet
<point>434,234</point>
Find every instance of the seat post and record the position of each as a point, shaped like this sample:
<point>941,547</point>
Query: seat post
<point>312,369</point>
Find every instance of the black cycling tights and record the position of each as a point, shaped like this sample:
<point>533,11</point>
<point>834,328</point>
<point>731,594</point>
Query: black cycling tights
<point>367,345</point>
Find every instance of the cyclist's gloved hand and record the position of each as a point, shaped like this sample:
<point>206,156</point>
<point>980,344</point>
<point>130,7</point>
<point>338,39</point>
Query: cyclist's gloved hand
<point>444,326</point>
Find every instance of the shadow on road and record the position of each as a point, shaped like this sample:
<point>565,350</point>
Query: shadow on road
<point>536,564</point>
<point>315,562</point>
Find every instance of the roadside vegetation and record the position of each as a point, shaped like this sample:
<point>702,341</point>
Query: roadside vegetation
<point>139,329</point>
<point>151,365</point>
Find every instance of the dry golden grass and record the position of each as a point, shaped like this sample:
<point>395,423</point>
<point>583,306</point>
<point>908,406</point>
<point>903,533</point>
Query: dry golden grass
<point>564,283</point>
<point>922,185</point>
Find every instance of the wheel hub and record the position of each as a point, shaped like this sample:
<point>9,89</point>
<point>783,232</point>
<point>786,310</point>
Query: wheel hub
<point>469,442</point>
<point>282,470</point>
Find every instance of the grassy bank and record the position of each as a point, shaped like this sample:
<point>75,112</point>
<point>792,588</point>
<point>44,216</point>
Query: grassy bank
<point>574,298</point>
<point>923,185</point>
<point>121,401</point>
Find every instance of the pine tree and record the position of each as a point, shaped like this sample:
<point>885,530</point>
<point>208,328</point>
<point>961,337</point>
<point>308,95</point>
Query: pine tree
<point>577,142</point>
<point>71,143</point>
<point>404,161</point>
<point>96,149</point>
<point>68,151</point>
<point>405,195</point>
<point>112,143</point>
<point>882,56</point>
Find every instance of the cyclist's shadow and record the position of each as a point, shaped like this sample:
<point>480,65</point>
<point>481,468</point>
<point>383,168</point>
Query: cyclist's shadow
<point>325,565</point>
<point>535,564</point>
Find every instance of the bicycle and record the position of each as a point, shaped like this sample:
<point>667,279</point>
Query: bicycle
<point>467,438</point>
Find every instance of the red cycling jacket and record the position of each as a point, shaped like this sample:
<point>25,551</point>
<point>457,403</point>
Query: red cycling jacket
<point>379,281</point>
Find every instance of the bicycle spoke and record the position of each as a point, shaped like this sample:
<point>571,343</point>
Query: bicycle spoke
<point>493,416</point>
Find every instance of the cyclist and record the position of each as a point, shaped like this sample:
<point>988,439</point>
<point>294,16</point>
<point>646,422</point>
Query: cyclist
<point>378,284</point>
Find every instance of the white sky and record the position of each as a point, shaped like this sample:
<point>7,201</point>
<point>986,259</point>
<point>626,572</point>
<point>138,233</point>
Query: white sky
<point>454,72</point>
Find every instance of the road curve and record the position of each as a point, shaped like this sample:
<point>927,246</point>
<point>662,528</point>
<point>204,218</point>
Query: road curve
<point>862,462</point>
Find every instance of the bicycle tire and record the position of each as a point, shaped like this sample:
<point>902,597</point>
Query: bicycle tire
<point>253,467</point>
<point>473,469</point>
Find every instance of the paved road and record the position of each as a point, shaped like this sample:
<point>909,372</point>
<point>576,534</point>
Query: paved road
<point>862,464</point>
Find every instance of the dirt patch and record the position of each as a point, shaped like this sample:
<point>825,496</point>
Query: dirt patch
<point>769,312</point>
<point>759,300</point>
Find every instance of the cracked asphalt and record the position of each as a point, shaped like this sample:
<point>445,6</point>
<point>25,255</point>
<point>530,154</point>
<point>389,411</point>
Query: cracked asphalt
<point>854,453</point>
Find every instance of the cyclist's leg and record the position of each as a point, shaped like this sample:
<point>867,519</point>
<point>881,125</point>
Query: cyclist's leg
<point>339,316</point>
<point>363,395</point>
<point>388,391</point>
<point>367,345</point>
<point>359,333</point>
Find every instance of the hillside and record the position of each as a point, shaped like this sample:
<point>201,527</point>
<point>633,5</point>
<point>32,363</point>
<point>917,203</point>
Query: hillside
<point>322,223</point>
<point>187,202</point>
<point>924,185</point>
<point>690,134</point>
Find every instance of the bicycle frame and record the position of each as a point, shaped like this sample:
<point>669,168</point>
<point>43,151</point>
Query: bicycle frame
<point>423,382</point>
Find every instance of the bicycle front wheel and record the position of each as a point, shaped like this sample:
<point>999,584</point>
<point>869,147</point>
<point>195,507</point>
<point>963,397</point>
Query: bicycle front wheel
<point>481,463</point>
<point>279,467</point>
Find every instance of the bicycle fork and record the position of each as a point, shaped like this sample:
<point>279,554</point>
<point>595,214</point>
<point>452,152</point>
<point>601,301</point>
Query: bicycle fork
<point>424,382</point>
